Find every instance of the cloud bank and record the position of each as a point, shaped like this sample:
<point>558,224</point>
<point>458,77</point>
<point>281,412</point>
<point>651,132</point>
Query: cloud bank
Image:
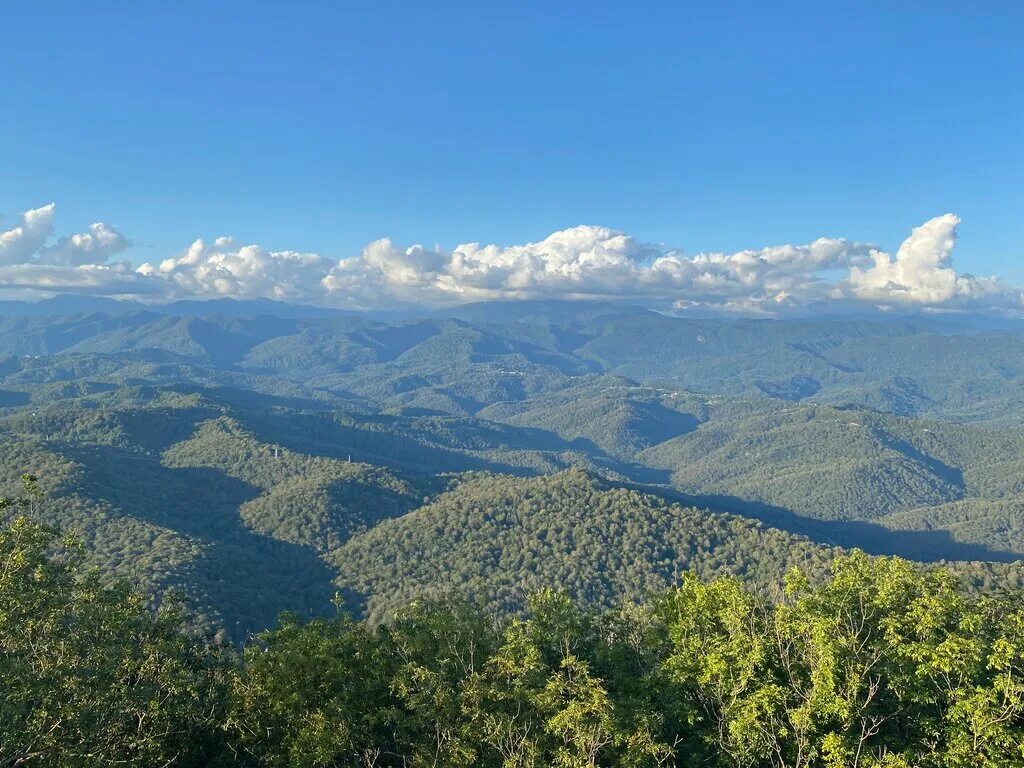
<point>585,262</point>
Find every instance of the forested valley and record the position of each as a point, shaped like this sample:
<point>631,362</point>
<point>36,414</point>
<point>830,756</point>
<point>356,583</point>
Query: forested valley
<point>522,534</point>
<point>878,663</point>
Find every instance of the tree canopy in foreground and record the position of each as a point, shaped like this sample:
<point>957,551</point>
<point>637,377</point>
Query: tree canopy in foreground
<point>882,663</point>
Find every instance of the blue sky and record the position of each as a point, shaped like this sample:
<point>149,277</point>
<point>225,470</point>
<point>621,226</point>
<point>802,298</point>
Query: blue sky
<point>320,127</point>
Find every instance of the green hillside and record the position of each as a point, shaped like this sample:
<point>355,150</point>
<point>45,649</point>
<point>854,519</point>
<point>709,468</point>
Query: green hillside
<point>497,539</point>
<point>262,462</point>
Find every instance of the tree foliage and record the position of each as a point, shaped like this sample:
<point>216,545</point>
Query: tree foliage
<point>882,664</point>
<point>91,674</point>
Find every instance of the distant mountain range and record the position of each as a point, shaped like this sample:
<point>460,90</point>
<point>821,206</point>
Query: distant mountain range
<point>76,304</point>
<point>262,455</point>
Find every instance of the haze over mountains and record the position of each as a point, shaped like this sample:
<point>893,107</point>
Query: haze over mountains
<point>264,456</point>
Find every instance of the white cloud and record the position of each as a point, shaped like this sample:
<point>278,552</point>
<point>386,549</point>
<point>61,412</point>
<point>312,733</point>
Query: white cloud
<point>37,280</point>
<point>581,262</point>
<point>922,275</point>
<point>20,243</point>
<point>592,262</point>
<point>246,272</point>
<point>79,262</point>
<point>97,246</point>
<point>26,242</point>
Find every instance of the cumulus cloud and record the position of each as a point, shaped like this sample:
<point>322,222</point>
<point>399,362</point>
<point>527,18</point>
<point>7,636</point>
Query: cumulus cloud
<point>22,241</point>
<point>921,273</point>
<point>97,246</point>
<point>118,279</point>
<point>596,262</point>
<point>590,262</point>
<point>78,262</point>
<point>224,269</point>
<point>581,262</point>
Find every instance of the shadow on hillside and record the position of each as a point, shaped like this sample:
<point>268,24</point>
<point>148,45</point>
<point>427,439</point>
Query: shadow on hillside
<point>245,577</point>
<point>12,399</point>
<point>397,441</point>
<point>662,423</point>
<point>875,539</point>
<point>949,474</point>
<point>157,429</point>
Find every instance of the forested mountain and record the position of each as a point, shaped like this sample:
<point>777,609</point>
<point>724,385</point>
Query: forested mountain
<point>263,457</point>
<point>497,539</point>
<point>485,354</point>
<point>184,493</point>
<point>875,663</point>
<point>536,532</point>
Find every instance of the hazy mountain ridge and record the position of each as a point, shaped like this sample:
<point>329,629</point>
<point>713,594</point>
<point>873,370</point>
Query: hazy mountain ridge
<point>912,367</point>
<point>262,462</point>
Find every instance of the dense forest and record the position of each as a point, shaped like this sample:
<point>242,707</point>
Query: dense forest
<point>879,662</point>
<point>263,458</point>
<point>526,534</point>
